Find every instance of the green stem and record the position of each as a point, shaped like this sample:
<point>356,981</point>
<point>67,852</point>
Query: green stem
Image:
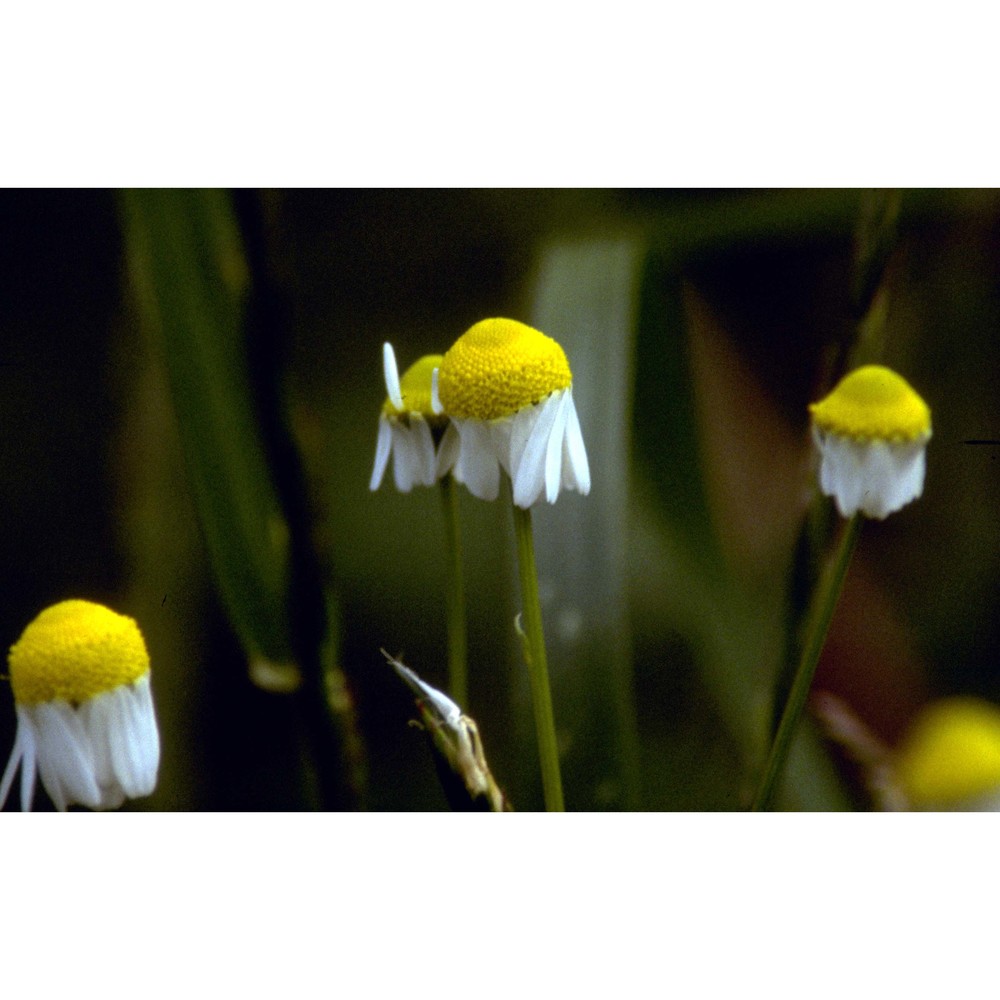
<point>826,602</point>
<point>458,684</point>
<point>541,697</point>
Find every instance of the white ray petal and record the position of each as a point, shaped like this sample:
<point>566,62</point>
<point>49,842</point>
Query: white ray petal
<point>477,465</point>
<point>528,468</point>
<point>65,760</point>
<point>554,449</point>
<point>391,373</point>
<point>16,756</point>
<point>576,468</point>
<point>383,447</point>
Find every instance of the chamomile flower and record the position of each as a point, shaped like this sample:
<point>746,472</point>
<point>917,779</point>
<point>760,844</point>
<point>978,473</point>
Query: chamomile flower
<point>407,425</point>
<point>950,757</point>
<point>872,433</point>
<point>85,719</point>
<point>509,393</point>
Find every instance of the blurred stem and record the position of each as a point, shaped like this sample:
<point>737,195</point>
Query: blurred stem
<point>458,684</point>
<point>826,602</point>
<point>538,671</point>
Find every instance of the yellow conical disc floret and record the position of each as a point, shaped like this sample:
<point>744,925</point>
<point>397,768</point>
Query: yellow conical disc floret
<point>873,402</point>
<point>500,366</point>
<point>952,753</point>
<point>415,387</point>
<point>73,651</point>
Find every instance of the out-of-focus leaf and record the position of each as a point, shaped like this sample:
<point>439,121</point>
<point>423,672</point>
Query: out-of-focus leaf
<point>729,612</point>
<point>585,298</point>
<point>666,431</point>
<point>186,264</point>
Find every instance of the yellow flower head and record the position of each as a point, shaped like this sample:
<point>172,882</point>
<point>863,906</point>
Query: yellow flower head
<point>873,402</point>
<point>952,753</point>
<point>500,366</point>
<point>85,719</point>
<point>508,392</point>
<point>872,433</point>
<point>410,425</point>
<point>415,391</point>
<point>74,651</point>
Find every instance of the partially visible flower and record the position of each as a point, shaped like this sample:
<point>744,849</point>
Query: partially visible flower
<point>950,757</point>
<point>85,719</point>
<point>872,433</point>
<point>509,393</point>
<point>407,425</point>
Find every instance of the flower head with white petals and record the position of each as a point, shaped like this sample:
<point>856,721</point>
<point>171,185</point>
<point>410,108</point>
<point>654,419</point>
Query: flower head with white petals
<point>509,393</point>
<point>85,719</point>
<point>872,432</point>
<point>408,425</point>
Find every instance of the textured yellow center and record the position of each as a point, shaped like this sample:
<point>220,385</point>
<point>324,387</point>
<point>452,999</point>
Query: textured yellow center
<point>500,366</point>
<point>415,387</point>
<point>952,752</point>
<point>873,402</point>
<point>75,650</point>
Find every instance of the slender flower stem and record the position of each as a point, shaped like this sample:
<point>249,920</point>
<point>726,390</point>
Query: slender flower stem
<point>541,697</point>
<point>826,602</point>
<point>458,684</point>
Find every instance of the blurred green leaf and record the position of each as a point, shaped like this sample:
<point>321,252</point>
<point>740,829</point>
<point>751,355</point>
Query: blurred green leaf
<point>186,263</point>
<point>666,432</point>
<point>734,630</point>
<point>585,297</point>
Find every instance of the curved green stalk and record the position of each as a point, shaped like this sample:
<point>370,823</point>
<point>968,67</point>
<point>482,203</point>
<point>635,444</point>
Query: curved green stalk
<point>458,684</point>
<point>538,671</point>
<point>827,596</point>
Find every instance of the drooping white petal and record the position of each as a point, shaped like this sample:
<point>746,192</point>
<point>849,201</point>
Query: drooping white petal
<point>436,408</point>
<point>129,751</point>
<point>391,372</point>
<point>120,726</point>
<point>540,447</point>
<point>148,735</point>
<point>413,458</point>
<point>879,488</point>
<point>554,449</point>
<point>511,438</point>
<point>447,453</point>
<point>477,465</point>
<point>98,719</point>
<point>29,763</point>
<point>528,467</point>
<point>65,760</point>
<point>874,477</point>
<point>383,446</point>
<point>576,468</point>
<point>16,756</point>
<point>102,724</point>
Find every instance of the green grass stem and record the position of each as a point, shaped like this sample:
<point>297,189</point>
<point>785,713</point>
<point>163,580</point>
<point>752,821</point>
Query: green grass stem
<point>826,602</point>
<point>538,671</point>
<point>458,682</point>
